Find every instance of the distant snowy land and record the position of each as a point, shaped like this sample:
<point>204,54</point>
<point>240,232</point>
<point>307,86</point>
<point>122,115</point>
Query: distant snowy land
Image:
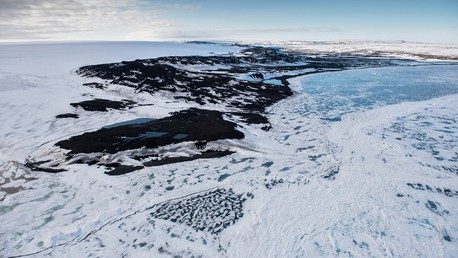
<point>201,149</point>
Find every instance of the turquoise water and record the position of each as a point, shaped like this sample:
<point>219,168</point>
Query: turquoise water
<point>331,95</point>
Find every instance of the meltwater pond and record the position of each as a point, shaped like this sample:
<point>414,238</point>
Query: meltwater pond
<point>331,95</point>
<point>130,122</point>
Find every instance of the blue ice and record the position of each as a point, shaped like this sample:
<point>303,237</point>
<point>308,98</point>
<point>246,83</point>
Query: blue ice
<point>337,93</point>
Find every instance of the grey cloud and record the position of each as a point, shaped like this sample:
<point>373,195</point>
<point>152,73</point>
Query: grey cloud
<point>25,7</point>
<point>6,5</point>
<point>247,32</point>
<point>231,34</point>
<point>132,19</point>
<point>64,19</point>
<point>184,6</point>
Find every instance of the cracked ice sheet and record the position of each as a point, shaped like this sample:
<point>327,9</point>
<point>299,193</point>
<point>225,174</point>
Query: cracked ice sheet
<point>359,213</point>
<point>303,214</point>
<point>36,84</point>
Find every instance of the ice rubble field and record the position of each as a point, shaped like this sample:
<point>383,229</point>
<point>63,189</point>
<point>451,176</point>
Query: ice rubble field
<point>358,163</point>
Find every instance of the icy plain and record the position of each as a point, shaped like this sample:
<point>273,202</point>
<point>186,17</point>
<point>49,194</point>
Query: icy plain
<point>358,163</point>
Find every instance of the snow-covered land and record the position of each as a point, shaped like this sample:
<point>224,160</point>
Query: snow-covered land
<point>406,49</point>
<point>361,161</point>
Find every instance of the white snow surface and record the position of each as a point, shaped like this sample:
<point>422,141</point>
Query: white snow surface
<point>336,188</point>
<point>406,49</point>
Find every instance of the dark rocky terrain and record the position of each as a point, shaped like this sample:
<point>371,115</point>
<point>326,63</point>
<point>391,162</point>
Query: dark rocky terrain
<point>193,125</point>
<point>242,84</point>
<point>233,81</point>
<point>103,104</point>
<point>67,115</point>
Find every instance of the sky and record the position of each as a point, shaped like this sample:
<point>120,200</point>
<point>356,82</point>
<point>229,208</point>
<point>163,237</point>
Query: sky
<point>284,20</point>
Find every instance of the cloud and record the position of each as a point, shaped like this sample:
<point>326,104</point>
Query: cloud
<point>117,20</point>
<point>71,19</point>
<point>176,33</point>
<point>184,6</point>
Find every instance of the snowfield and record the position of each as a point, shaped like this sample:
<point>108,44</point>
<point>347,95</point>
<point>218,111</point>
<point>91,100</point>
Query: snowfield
<point>404,49</point>
<point>361,161</point>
